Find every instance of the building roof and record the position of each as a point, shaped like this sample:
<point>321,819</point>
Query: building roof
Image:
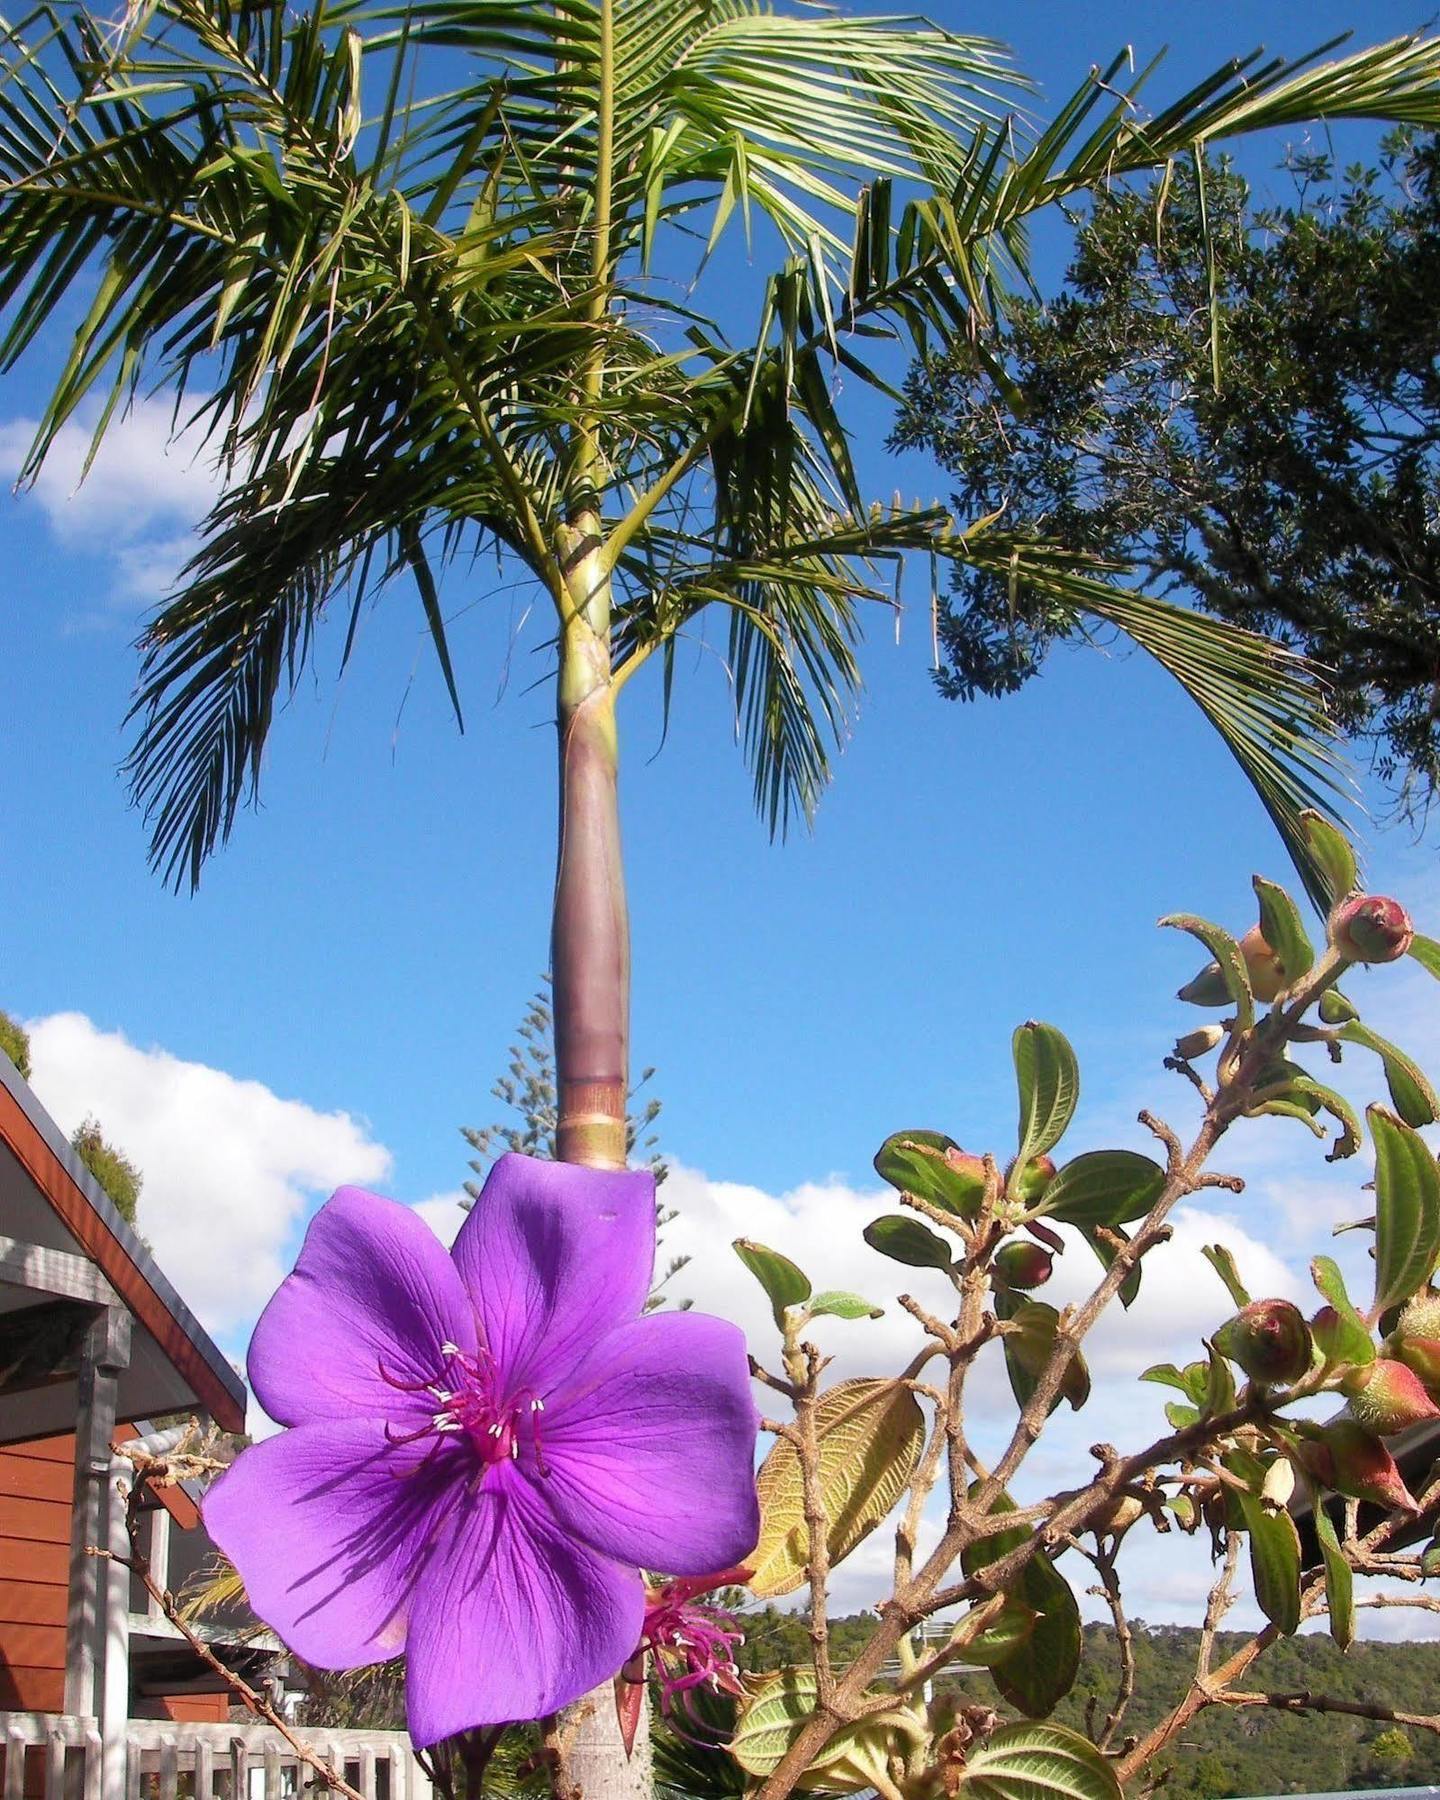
<point>49,1199</point>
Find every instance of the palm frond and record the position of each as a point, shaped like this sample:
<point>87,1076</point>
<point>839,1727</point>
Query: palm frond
<point>1267,703</point>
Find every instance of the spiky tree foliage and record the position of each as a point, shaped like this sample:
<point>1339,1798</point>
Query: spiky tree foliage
<point>115,1172</point>
<point>15,1043</point>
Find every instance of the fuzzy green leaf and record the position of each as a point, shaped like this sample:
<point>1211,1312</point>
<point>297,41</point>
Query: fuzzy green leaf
<point>1407,1209</point>
<point>1104,1187</point>
<point>785,1285</point>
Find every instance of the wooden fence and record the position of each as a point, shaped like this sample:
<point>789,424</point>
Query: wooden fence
<point>54,1756</point>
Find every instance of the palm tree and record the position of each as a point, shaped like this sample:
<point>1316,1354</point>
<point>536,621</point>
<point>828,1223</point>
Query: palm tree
<point>428,273</point>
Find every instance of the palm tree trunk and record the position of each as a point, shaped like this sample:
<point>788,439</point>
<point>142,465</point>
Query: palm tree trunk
<point>590,945</point>
<point>590,960</point>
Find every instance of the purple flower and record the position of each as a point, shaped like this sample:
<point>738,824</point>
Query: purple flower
<point>487,1444</point>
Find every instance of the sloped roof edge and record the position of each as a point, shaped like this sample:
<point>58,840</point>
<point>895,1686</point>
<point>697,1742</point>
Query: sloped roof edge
<point>89,1214</point>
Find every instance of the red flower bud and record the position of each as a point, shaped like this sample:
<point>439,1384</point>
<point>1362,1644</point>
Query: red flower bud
<point>1269,1339</point>
<point>1387,1396</point>
<point>1344,1456</point>
<point>1031,1182</point>
<point>1020,1265</point>
<point>1371,929</point>
<point>971,1172</point>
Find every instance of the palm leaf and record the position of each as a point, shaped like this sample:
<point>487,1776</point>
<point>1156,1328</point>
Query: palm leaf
<point>1266,702</point>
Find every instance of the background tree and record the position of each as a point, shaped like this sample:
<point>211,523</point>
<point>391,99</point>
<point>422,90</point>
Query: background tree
<point>1240,400</point>
<point>424,311</point>
<point>15,1043</point>
<point>527,1089</point>
<point>115,1172</point>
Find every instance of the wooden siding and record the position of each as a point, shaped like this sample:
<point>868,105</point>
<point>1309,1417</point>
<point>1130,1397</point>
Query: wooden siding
<point>35,1485</point>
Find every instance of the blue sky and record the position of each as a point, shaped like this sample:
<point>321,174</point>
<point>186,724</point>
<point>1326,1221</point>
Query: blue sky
<point>368,941</point>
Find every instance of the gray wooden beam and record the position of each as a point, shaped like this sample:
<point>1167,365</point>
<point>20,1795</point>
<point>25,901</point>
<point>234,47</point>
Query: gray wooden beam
<point>53,1272</point>
<point>106,1354</point>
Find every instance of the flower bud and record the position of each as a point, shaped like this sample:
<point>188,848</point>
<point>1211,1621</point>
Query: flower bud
<point>970,1170</point>
<point>1278,1485</point>
<point>1420,1317</point>
<point>1030,1182</point>
<point>1267,976</point>
<point>1269,1339</point>
<point>1207,988</point>
<point>1021,1265</point>
<point>1423,1356</point>
<point>1346,1457</point>
<point>1198,1043</point>
<point>1387,1396</point>
<point>1371,928</point>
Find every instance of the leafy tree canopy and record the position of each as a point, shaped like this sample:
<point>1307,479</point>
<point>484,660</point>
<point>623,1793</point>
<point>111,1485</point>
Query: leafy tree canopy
<point>114,1170</point>
<point>1242,402</point>
<point>15,1043</point>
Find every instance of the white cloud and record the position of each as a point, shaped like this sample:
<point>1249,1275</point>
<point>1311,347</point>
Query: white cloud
<point>230,1168</point>
<point>444,1213</point>
<point>139,482</point>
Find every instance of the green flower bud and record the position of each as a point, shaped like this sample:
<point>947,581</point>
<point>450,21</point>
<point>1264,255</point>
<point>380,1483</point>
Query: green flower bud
<point>1423,1356</point>
<point>1420,1317</point>
<point>1371,928</point>
<point>1021,1265</point>
<point>1029,1184</point>
<point>1388,1396</point>
<point>1269,1339</point>
<point>1207,989</point>
<point>1347,1458</point>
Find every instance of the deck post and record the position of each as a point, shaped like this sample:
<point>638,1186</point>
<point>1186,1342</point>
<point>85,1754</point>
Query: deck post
<point>106,1354</point>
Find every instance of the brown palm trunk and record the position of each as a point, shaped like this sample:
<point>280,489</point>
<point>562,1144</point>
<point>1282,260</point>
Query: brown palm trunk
<point>590,952</point>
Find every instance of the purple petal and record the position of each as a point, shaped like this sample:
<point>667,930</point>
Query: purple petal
<point>651,1446</point>
<point>554,1257</point>
<point>373,1290</point>
<point>512,1618</point>
<point>328,1525</point>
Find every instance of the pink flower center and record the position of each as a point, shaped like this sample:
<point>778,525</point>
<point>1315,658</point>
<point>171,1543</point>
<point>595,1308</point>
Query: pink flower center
<point>690,1646</point>
<point>472,1403</point>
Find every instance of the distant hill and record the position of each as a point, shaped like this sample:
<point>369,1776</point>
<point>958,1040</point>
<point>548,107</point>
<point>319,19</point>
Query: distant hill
<point>1225,1752</point>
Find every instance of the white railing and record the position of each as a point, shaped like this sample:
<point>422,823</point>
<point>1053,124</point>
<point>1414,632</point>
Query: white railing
<point>54,1756</point>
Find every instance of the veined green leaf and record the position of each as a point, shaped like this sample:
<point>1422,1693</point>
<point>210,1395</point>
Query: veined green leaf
<point>1274,1550</point>
<point>1339,1578</point>
<point>1333,854</point>
<point>1226,952</point>
<point>785,1285</point>
<point>1283,929</point>
<point>1222,1261</point>
<point>836,1305</point>
<point>1040,1674</point>
<point>1048,1078</point>
<point>907,1241</point>
<point>932,1167</point>
<point>1104,1187</point>
<point>1407,1209</point>
<point>1415,1099</point>
<point>870,1435</point>
<point>1033,1761</point>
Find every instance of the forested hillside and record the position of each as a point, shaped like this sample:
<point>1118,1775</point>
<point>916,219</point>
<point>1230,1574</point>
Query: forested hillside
<point>1225,1752</point>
